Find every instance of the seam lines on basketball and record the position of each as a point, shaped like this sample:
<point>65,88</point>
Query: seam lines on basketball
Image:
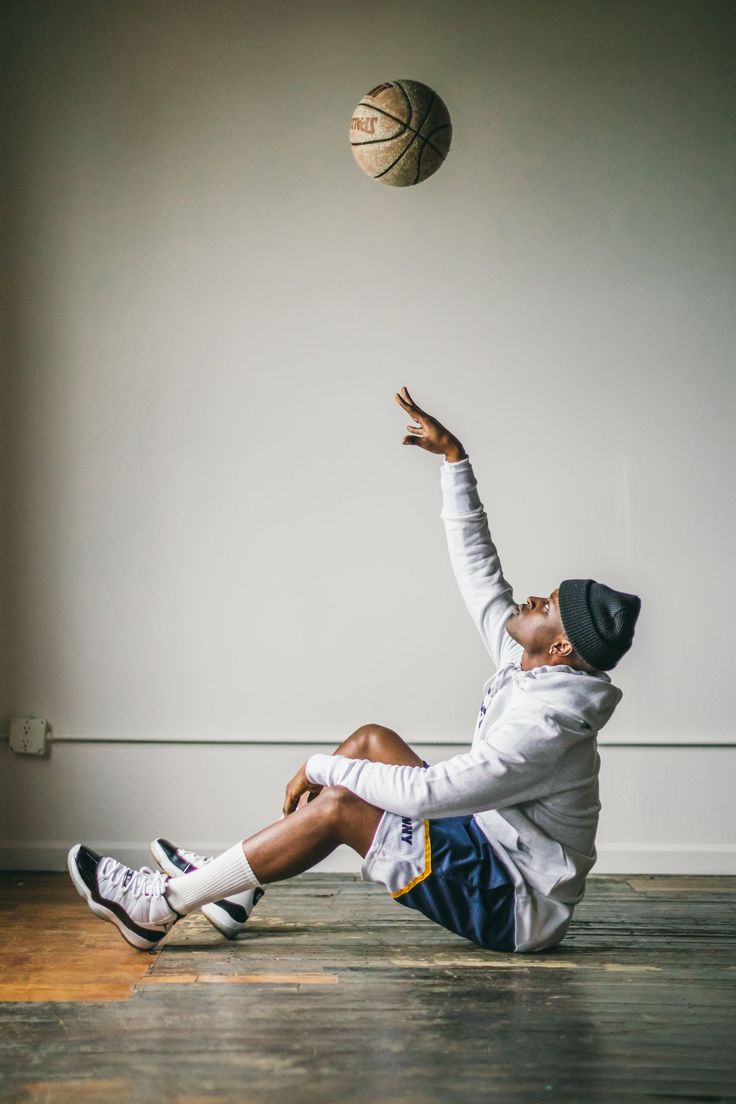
<point>377,141</point>
<point>399,133</point>
<point>406,126</point>
<point>417,134</point>
<point>442,126</point>
<point>409,104</point>
<point>418,173</point>
<point>426,142</point>
<point>398,157</point>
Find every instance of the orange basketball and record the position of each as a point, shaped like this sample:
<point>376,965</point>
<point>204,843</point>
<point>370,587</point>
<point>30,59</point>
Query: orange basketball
<point>400,132</point>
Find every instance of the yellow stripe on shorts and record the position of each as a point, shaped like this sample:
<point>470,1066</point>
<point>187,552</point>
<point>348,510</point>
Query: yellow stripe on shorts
<point>427,864</point>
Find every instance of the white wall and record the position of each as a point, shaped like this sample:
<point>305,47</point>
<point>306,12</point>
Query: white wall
<point>213,531</point>
<point>665,810</point>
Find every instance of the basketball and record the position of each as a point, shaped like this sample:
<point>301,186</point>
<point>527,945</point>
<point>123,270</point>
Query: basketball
<point>400,132</point>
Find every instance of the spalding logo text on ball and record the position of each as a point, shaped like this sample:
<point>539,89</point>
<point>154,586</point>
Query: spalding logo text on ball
<point>400,132</point>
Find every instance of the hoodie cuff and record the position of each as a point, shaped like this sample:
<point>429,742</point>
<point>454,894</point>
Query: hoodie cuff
<point>456,465</point>
<point>317,769</point>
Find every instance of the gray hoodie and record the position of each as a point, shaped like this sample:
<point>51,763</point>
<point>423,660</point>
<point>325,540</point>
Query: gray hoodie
<point>531,775</point>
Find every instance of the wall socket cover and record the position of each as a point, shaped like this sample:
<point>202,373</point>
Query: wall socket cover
<point>28,735</point>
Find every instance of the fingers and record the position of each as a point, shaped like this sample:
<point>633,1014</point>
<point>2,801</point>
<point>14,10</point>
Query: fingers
<point>288,803</point>
<point>416,434</point>
<point>408,403</point>
<point>406,400</point>
<point>297,800</point>
<point>408,396</point>
<point>425,432</point>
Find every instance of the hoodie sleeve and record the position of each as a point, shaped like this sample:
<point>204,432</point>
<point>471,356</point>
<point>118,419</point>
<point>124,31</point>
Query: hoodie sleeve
<point>473,555</point>
<point>519,765</point>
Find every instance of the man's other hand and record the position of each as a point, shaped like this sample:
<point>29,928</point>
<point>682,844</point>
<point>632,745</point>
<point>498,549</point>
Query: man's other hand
<point>298,786</point>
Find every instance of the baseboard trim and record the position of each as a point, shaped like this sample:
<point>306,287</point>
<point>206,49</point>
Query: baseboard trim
<point>613,858</point>
<point>666,858</point>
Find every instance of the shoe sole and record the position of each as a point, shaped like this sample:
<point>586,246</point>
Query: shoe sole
<point>103,913</point>
<point>217,917</point>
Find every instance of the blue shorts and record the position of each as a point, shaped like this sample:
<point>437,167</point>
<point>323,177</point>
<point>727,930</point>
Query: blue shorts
<point>465,889</point>
<point>448,871</point>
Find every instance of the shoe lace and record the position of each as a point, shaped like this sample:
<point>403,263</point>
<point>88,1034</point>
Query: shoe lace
<point>193,858</point>
<point>144,882</point>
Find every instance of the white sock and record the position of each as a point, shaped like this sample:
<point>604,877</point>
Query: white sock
<point>229,873</point>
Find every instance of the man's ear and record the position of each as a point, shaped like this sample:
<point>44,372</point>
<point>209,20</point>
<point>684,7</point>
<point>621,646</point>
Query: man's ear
<point>561,646</point>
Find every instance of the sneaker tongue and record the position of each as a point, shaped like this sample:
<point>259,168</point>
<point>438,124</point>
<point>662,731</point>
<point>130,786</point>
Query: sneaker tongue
<point>127,878</point>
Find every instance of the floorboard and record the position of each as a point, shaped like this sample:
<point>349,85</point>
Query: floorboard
<point>336,992</point>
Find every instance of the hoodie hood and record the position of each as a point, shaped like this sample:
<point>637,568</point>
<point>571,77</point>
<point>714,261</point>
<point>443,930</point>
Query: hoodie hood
<point>590,699</point>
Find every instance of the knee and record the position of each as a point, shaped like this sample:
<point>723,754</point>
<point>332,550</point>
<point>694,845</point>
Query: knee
<point>336,800</point>
<point>366,740</point>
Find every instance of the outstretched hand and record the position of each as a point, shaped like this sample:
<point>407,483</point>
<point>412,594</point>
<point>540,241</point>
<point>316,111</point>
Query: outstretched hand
<point>429,434</point>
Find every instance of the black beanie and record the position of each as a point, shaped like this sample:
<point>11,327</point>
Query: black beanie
<point>599,622</point>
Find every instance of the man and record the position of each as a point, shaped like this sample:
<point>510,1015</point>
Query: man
<point>495,843</point>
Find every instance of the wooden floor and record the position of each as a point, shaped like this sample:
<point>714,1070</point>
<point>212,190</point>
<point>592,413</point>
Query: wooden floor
<point>338,993</point>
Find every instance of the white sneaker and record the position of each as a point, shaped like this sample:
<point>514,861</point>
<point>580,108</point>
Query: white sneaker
<point>230,914</point>
<point>132,900</point>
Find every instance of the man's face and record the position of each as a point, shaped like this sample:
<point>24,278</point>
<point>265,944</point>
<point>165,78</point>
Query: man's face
<point>537,625</point>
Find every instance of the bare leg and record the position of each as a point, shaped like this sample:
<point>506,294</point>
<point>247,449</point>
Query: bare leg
<point>305,837</point>
<point>380,745</point>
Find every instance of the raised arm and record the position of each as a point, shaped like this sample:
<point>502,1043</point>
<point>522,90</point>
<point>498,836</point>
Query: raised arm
<point>473,555</point>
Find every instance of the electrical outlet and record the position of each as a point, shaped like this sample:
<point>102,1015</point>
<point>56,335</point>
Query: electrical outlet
<point>28,735</point>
